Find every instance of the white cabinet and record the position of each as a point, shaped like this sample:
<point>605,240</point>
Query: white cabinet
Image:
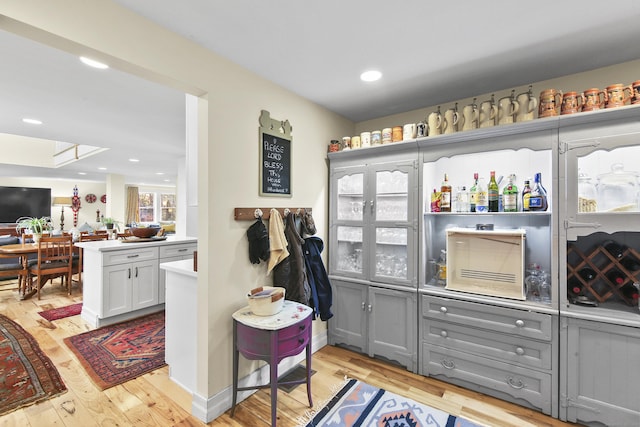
<point>129,287</point>
<point>172,253</point>
<point>375,320</point>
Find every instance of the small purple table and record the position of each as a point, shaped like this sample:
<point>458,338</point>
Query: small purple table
<point>272,338</point>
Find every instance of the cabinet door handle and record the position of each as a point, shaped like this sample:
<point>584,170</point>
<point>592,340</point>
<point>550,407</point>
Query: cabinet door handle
<point>519,351</point>
<point>444,334</point>
<point>371,202</point>
<point>443,310</point>
<point>136,271</point>
<point>448,364</point>
<point>519,323</point>
<point>369,308</point>
<point>183,250</point>
<point>517,384</point>
<point>133,256</point>
<point>364,304</point>
<point>129,271</point>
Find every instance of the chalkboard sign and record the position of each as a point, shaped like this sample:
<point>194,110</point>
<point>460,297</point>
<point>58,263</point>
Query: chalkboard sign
<point>275,165</point>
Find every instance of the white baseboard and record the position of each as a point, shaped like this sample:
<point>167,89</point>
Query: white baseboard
<point>208,409</point>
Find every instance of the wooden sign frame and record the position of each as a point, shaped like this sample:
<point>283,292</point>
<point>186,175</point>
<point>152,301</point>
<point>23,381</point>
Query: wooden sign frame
<point>275,156</point>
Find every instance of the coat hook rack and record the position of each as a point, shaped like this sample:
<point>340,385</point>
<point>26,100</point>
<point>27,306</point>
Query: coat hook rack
<point>249,214</point>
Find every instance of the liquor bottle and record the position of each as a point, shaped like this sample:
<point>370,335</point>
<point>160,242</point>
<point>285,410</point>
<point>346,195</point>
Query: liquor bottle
<point>445,195</point>
<point>482,201</point>
<point>435,201</point>
<point>616,277</point>
<point>630,263</point>
<point>510,196</point>
<point>587,273</point>
<point>493,192</point>
<point>614,248</point>
<point>526,193</point>
<point>538,195</point>
<point>574,287</point>
<point>473,193</point>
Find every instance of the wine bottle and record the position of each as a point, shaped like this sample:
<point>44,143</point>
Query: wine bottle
<point>574,287</point>
<point>526,194</point>
<point>445,195</point>
<point>493,192</point>
<point>510,196</point>
<point>614,248</point>
<point>587,273</point>
<point>630,263</point>
<point>538,196</point>
<point>482,202</point>
<point>630,292</point>
<point>616,277</point>
<point>473,193</point>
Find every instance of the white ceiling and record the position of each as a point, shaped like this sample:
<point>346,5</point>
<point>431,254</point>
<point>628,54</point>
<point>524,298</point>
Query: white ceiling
<point>429,52</point>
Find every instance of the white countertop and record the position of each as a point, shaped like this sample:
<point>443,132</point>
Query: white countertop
<point>117,245</point>
<point>184,266</point>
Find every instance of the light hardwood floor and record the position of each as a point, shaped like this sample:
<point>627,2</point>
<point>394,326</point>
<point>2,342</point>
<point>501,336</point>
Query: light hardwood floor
<point>154,400</point>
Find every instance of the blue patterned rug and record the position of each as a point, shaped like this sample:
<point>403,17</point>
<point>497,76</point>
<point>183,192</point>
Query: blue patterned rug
<point>360,404</point>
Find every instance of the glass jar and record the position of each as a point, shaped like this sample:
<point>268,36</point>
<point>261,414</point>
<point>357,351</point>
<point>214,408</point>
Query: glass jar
<point>587,195</point>
<point>618,190</point>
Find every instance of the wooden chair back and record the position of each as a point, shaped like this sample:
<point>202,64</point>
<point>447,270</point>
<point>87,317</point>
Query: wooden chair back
<point>54,260</point>
<point>78,267</point>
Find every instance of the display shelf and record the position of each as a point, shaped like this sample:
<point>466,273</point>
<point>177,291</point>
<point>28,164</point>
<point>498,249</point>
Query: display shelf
<point>601,262</point>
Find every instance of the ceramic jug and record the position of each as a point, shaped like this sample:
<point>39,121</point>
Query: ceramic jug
<point>421,129</point>
<point>470,116</point>
<point>450,121</point>
<point>527,105</point>
<point>550,100</point>
<point>409,131</point>
<point>488,111</point>
<point>434,123</point>
<point>507,109</point>
<point>571,103</point>
<point>636,92</point>
<point>616,95</point>
<point>593,99</point>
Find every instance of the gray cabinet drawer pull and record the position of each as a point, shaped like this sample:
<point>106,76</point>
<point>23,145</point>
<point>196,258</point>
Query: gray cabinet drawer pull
<point>517,384</point>
<point>519,323</point>
<point>444,334</point>
<point>519,351</point>
<point>448,364</point>
<point>443,309</point>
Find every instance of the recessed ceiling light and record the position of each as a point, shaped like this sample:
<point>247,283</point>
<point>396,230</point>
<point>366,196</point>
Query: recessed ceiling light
<point>134,160</point>
<point>167,180</point>
<point>102,168</point>
<point>32,121</point>
<point>370,76</point>
<point>93,63</point>
<point>82,173</point>
<point>159,173</point>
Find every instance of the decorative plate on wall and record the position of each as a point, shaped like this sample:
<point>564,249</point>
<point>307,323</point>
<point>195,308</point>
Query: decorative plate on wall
<point>90,198</point>
<point>103,198</point>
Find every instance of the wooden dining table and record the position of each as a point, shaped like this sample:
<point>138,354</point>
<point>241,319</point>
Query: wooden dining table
<point>22,251</point>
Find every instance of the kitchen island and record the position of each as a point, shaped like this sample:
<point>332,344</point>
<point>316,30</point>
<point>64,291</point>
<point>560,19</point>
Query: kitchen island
<point>122,279</point>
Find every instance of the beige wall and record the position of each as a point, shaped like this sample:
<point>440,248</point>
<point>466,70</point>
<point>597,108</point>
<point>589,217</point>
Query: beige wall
<point>625,73</point>
<point>228,159</point>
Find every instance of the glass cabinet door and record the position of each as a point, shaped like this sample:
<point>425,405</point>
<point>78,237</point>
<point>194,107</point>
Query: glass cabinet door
<point>392,207</point>
<point>348,225</point>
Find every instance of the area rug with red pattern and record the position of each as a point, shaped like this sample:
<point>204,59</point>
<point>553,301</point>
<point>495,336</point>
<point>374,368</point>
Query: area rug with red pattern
<point>114,354</point>
<point>61,312</point>
<point>27,375</point>
<point>361,404</point>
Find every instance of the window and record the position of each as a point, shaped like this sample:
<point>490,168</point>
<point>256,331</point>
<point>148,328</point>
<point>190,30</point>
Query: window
<point>156,207</point>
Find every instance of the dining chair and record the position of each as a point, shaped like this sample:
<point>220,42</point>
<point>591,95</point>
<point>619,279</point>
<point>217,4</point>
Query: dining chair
<point>54,260</point>
<point>77,261</point>
<point>14,269</point>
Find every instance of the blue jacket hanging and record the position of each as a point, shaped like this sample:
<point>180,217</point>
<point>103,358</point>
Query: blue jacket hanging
<point>318,279</point>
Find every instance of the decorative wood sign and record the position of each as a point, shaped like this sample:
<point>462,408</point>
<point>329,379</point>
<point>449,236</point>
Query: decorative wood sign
<point>275,156</point>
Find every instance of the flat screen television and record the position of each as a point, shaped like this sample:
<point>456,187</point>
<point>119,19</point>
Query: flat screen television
<point>23,201</point>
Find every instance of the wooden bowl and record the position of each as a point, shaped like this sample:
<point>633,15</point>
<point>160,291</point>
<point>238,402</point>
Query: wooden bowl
<point>144,232</point>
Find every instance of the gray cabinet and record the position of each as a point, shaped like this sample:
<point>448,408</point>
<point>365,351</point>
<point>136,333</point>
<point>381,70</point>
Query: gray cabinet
<point>379,321</point>
<point>603,379</point>
<point>504,352</point>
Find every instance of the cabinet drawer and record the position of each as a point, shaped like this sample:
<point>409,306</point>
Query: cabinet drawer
<point>299,328</point>
<point>177,250</point>
<point>497,319</point>
<point>130,255</point>
<point>502,347</point>
<point>532,386</point>
<point>256,343</point>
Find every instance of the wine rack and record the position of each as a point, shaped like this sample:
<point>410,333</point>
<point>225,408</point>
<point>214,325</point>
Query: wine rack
<point>601,262</point>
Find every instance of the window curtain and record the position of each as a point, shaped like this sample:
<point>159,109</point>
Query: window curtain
<point>133,213</point>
